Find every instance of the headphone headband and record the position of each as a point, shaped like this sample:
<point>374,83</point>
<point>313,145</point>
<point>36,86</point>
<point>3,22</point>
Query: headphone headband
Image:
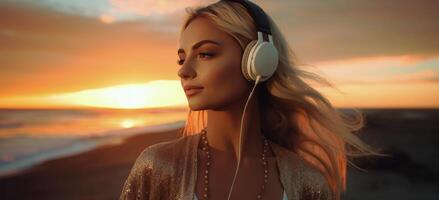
<point>258,15</point>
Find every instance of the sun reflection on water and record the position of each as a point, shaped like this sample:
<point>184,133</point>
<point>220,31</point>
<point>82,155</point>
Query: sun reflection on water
<point>128,123</point>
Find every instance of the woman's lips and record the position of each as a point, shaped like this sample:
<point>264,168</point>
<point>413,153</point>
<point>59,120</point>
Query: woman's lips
<point>192,91</point>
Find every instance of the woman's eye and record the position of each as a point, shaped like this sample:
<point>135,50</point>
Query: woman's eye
<point>204,54</point>
<point>201,55</point>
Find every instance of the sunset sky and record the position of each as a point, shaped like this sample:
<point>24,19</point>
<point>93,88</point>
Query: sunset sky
<point>122,53</point>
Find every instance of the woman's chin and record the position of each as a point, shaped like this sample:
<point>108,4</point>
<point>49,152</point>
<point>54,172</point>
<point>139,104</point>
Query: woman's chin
<point>196,108</point>
<point>195,105</point>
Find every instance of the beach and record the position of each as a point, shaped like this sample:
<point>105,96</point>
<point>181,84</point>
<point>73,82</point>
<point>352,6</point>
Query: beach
<point>411,172</point>
<point>92,175</point>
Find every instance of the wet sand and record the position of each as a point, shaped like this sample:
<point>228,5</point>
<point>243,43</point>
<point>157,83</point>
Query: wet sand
<point>95,174</point>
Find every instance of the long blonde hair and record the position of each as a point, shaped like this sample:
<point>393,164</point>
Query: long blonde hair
<point>294,115</point>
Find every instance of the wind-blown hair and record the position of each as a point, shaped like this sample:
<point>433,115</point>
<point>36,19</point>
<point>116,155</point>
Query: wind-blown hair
<point>293,114</point>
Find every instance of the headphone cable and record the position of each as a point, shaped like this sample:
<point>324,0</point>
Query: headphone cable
<point>240,134</point>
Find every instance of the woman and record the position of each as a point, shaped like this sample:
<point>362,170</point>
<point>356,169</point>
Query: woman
<point>293,140</point>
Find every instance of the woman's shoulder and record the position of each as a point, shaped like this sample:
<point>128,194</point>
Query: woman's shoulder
<point>166,151</point>
<point>152,165</point>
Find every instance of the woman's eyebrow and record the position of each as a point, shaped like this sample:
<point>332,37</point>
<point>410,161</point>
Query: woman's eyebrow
<point>198,44</point>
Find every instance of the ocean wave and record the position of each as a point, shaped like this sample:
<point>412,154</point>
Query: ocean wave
<point>22,151</point>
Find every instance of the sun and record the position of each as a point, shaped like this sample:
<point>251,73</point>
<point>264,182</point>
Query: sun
<point>160,93</point>
<point>128,96</point>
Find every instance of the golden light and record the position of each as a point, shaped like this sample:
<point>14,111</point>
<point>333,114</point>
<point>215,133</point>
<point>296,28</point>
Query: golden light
<point>160,93</point>
<point>128,123</point>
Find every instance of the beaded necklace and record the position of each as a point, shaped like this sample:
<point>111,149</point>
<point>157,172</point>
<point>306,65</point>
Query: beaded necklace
<point>205,148</point>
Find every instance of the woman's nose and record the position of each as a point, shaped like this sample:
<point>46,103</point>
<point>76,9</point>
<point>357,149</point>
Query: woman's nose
<point>186,71</point>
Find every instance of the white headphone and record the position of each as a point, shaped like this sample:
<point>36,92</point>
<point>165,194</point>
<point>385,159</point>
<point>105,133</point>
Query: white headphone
<point>259,61</point>
<point>260,56</point>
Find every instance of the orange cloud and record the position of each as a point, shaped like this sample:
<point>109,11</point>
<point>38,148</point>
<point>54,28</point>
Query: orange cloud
<point>44,51</point>
<point>376,70</point>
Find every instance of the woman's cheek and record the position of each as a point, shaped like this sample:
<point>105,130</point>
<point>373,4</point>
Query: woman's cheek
<point>226,81</point>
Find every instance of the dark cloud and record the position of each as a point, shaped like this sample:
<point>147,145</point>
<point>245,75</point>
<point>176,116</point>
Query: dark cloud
<point>339,29</point>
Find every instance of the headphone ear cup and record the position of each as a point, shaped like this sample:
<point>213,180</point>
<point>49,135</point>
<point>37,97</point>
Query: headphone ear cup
<point>245,63</point>
<point>264,60</point>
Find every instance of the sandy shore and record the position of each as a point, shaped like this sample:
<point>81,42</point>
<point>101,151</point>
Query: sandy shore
<point>96,174</point>
<point>412,172</point>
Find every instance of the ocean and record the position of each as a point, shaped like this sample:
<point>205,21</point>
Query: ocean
<point>409,136</point>
<point>31,136</point>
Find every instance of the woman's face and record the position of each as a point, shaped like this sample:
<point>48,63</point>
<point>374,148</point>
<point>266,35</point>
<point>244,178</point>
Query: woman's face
<point>211,59</point>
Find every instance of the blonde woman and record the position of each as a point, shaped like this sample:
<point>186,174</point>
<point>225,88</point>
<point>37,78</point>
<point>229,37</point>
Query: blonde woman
<point>293,139</point>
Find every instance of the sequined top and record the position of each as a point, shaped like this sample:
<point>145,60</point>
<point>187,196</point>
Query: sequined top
<point>167,171</point>
<point>283,198</point>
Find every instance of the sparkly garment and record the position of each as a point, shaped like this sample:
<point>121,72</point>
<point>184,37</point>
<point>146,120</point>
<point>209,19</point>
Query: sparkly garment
<point>167,171</point>
<point>283,198</point>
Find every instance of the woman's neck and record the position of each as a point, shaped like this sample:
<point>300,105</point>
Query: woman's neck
<point>224,127</point>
